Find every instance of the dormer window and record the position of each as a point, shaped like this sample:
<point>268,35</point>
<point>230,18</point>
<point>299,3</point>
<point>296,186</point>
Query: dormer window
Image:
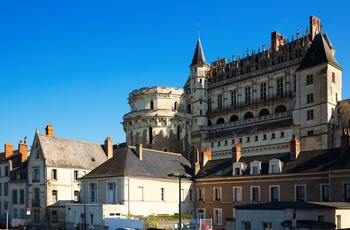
<point>255,167</point>
<point>275,166</point>
<point>238,168</point>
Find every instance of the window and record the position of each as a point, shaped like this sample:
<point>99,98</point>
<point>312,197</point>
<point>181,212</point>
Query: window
<point>310,132</point>
<point>263,91</point>
<point>91,219</point>
<point>220,101</point>
<point>247,95</point>
<point>274,193</point>
<point>254,194</point>
<point>111,193</point>
<point>325,192</point>
<point>300,192</point>
<point>22,213</point>
<point>347,192</point>
<point>150,134</point>
<point>200,194</point>
<point>282,134</point>
<point>36,215</point>
<point>237,194</point>
<point>54,174</point>
<point>217,216</point>
<point>140,193</point>
<point>0,191</point>
<point>201,213</point>
<point>21,196</point>
<point>264,137</point>
<point>7,170</point>
<point>247,225</point>
<point>256,138</point>
<point>54,217</point>
<point>36,201</point>
<point>93,193</point>
<point>333,77</point>
<point>310,98</point>
<point>273,136</point>
<point>54,195</point>
<point>255,170</point>
<point>234,98</point>
<point>320,218</point>
<point>151,104</point>
<point>248,139</point>
<point>6,189</point>
<point>310,114</point>
<point>217,194</point>
<point>36,173</point>
<point>309,79</point>
<point>267,226</point>
<point>162,194</point>
<point>14,196</point>
<point>75,175</point>
<point>190,195</point>
<point>76,196</point>
<point>280,87</point>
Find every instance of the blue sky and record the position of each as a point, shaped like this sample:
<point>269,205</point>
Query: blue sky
<point>72,63</point>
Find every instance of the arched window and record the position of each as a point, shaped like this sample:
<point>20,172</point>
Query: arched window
<point>280,109</point>
<point>165,149</point>
<point>248,115</point>
<point>178,133</point>
<point>188,108</point>
<point>175,105</point>
<point>233,118</point>
<point>209,122</point>
<point>151,104</point>
<point>264,112</point>
<point>220,121</point>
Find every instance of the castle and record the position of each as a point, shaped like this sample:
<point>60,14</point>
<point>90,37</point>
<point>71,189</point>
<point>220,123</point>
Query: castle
<point>259,101</point>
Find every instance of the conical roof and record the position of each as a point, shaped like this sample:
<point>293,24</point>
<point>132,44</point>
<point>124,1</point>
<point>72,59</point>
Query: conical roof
<point>198,56</point>
<point>319,52</point>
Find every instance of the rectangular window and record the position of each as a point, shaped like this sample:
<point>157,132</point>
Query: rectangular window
<point>15,213</point>
<point>237,194</point>
<point>6,205</point>
<point>111,193</point>
<point>200,194</point>
<point>267,226</point>
<point>54,217</point>
<point>248,95</point>
<point>6,189</point>
<point>264,137</point>
<point>54,195</point>
<point>91,219</point>
<point>282,134</point>
<point>36,201</point>
<point>255,193</point>
<point>300,192</point>
<point>93,193</point>
<point>36,173</point>
<point>280,87</point>
<point>310,98</point>
<point>217,194</point>
<point>310,114</point>
<point>162,194</point>
<point>310,132</point>
<point>217,216</point>
<point>263,91</point>
<point>36,215</point>
<point>21,196</point>
<point>140,193</point>
<point>309,79</point>
<point>76,196</point>
<point>274,193</point>
<point>22,213</point>
<point>75,175</point>
<point>234,98</point>
<point>14,196</point>
<point>333,77</point>
<point>220,101</point>
<point>190,195</point>
<point>347,192</point>
<point>54,174</point>
<point>7,170</point>
<point>247,225</point>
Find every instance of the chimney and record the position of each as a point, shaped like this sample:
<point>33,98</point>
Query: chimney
<point>294,148</point>
<point>236,153</point>
<point>8,150</point>
<point>275,37</point>
<point>345,141</point>
<point>206,155</point>
<point>139,151</point>
<point>108,147</point>
<point>315,27</point>
<point>49,130</point>
<point>197,165</point>
<point>23,150</point>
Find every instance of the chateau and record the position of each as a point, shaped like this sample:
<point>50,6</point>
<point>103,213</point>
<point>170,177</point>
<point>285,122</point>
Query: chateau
<point>259,101</point>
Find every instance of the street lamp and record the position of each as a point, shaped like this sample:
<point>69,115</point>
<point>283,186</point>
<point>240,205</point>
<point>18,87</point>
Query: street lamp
<point>180,176</point>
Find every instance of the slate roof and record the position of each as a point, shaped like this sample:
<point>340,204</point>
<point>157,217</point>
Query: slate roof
<point>318,53</point>
<point>250,129</point>
<point>154,164</point>
<point>66,153</point>
<point>284,205</point>
<point>198,56</point>
<point>306,162</point>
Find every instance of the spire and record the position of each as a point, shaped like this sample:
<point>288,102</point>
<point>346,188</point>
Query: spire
<point>198,56</point>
